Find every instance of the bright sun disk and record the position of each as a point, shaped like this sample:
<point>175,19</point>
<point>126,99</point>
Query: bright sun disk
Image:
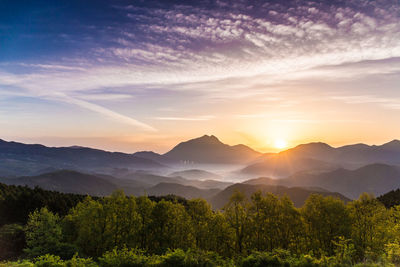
<point>280,143</point>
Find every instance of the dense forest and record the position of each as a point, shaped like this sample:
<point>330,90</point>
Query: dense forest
<point>43,228</point>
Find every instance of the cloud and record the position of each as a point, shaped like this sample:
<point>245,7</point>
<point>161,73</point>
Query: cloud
<point>232,51</point>
<point>389,103</point>
<point>198,118</point>
<point>101,110</point>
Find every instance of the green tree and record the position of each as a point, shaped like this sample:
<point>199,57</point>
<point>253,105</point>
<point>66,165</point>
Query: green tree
<point>43,233</point>
<point>236,214</point>
<point>144,208</point>
<point>99,226</point>
<point>201,217</point>
<point>370,226</point>
<point>326,219</point>
<point>171,227</point>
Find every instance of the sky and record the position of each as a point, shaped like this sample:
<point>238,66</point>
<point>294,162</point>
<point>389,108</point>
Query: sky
<point>144,75</point>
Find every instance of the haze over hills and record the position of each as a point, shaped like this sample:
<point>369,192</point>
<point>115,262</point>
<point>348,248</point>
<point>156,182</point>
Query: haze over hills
<point>67,182</point>
<point>314,166</point>
<point>283,165</point>
<point>25,159</point>
<point>186,191</point>
<point>196,174</point>
<point>374,178</point>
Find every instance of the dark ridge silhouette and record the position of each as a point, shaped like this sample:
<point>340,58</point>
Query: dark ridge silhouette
<point>67,182</point>
<point>209,149</point>
<point>374,178</point>
<point>21,159</point>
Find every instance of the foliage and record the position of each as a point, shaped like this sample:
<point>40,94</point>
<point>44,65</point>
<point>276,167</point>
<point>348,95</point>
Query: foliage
<point>264,230</point>
<point>12,241</point>
<point>391,198</point>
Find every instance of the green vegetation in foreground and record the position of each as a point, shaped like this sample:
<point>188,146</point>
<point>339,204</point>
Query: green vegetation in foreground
<point>261,231</point>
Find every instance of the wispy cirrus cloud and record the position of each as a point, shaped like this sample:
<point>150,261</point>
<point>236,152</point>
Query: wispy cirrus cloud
<point>225,52</point>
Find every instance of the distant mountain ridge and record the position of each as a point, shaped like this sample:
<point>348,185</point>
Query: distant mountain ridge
<point>360,154</point>
<point>18,159</point>
<point>374,178</point>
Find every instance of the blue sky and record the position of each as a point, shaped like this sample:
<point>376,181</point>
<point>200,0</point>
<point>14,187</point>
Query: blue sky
<point>132,75</point>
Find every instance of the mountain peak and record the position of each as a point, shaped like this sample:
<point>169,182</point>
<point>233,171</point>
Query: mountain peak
<point>392,144</point>
<point>211,139</point>
<point>209,149</point>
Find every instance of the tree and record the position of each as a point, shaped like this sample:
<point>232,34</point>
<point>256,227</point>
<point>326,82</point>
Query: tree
<point>144,208</point>
<point>99,226</point>
<point>171,227</point>
<point>326,219</point>
<point>43,233</point>
<point>201,217</point>
<point>370,226</point>
<point>236,214</point>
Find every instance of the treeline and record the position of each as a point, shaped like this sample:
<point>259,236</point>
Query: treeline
<point>264,230</point>
<point>391,198</point>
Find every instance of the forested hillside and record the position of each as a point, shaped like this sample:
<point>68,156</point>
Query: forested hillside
<point>263,230</point>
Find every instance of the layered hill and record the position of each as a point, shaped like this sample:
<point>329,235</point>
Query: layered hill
<point>67,181</point>
<point>18,159</point>
<point>283,165</point>
<point>374,178</point>
<point>356,155</point>
<point>196,174</point>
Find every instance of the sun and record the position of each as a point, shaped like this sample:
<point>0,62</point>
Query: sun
<point>280,143</point>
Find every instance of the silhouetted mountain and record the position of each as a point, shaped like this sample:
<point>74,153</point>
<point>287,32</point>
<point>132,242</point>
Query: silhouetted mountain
<point>350,155</point>
<point>195,174</point>
<point>297,194</point>
<point>283,165</point>
<point>189,192</point>
<point>67,182</point>
<point>21,159</point>
<point>208,149</point>
<point>374,178</point>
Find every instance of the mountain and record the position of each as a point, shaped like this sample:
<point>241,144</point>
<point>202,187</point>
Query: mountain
<point>195,174</point>
<point>18,159</point>
<point>209,149</point>
<point>188,192</point>
<point>297,194</point>
<point>374,178</point>
<point>67,182</point>
<point>350,155</point>
<point>283,165</point>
